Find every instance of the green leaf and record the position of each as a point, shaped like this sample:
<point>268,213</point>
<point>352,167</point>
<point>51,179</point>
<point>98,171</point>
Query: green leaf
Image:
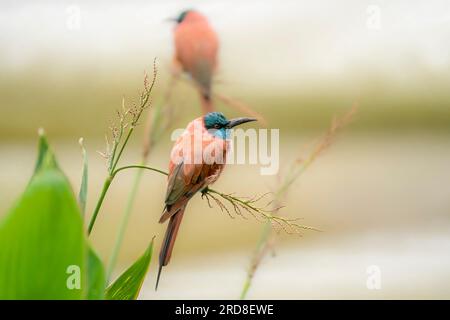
<point>95,277</point>
<point>43,247</point>
<point>82,195</point>
<point>41,242</point>
<point>128,285</point>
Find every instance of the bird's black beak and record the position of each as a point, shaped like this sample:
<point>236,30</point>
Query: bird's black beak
<point>235,122</point>
<point>171,19</point>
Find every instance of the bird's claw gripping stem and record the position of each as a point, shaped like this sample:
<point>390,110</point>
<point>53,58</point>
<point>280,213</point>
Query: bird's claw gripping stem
<point>204,191</point>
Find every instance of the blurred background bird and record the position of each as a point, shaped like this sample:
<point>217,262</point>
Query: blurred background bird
<point>196,47</point>
<point>192,167</point>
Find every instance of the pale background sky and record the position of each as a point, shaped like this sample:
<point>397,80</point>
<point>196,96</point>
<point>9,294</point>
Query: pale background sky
<point>293,40</point>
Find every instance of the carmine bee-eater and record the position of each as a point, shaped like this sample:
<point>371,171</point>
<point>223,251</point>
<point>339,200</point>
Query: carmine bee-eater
<point>197,160</point>
<point>196,47</point>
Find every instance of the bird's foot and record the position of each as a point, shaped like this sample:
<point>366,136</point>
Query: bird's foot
<point>204,191</point>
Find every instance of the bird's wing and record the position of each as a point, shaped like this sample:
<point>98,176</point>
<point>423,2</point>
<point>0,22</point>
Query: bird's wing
<point>175,185</point>
<point>184,181</point>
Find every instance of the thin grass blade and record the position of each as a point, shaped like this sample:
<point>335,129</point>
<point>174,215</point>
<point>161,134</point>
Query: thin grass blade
<point>82,195</point>
<point>128,285</point>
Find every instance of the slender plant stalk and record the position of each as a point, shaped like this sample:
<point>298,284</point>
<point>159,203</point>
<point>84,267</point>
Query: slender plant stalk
<point>117,133</point>
<point>122,148</point>
<point>107,184</point>
<point>124,223</point>
<point>105,188</point>
<point>151,135</point>
<point>138,166</point>
<point>266,231</point>
<point>296,170</point>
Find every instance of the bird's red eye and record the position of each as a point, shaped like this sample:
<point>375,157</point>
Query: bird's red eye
<point>216,126</point>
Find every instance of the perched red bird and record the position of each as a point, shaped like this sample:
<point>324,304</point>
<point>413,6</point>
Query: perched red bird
<point>196,47</point>
<point>197,160</point>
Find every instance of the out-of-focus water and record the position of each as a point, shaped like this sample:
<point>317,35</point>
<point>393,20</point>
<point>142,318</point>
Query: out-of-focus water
<point>380,199</point>
<point>410,265</point>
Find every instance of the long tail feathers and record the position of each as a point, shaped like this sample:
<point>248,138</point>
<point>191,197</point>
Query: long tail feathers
<point>169,241</point>
<point>159,275</point>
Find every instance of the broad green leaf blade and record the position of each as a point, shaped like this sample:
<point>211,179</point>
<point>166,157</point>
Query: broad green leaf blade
<point>95,277</point>
<point>42,242</point>
<point>128,285</point>
<point>82,195</point>
<point>43,248</point>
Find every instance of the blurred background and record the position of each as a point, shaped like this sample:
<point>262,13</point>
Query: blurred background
<point>380,194</point>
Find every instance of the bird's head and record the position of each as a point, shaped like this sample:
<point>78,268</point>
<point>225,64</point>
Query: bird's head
<point>219,125</point>
<point>182,16</point>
